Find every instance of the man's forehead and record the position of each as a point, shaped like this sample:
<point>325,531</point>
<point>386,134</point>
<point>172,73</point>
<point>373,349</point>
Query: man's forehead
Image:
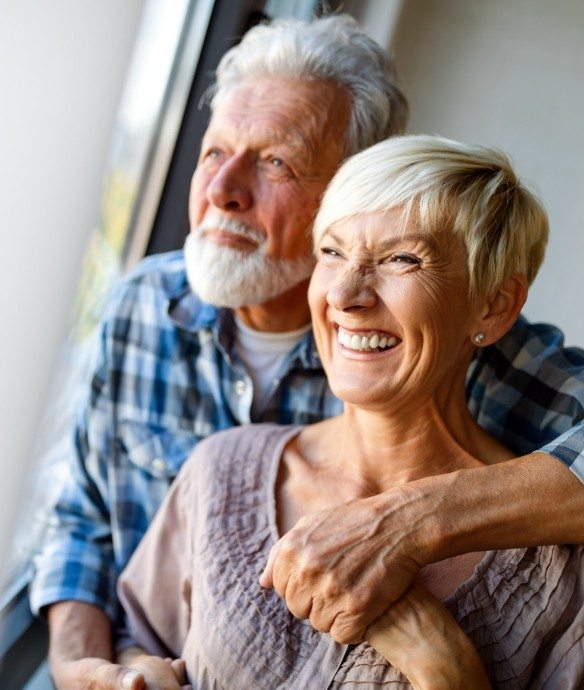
<point>290,113</point>
<point>260,131</point>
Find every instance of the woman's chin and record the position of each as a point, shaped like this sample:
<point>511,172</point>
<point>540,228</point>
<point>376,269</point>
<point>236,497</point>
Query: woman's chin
<point>364,394</point>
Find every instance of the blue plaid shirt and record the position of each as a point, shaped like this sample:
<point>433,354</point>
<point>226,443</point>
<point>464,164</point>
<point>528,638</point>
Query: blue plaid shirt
<point>167,376</point>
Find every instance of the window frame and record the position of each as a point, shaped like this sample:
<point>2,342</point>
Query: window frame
<point>159,222</point>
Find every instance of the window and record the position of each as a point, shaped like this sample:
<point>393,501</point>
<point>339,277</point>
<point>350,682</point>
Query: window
<point>164,59</point>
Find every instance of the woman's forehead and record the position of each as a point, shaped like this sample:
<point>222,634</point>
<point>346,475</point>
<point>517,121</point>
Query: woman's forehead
<point>382,231</point>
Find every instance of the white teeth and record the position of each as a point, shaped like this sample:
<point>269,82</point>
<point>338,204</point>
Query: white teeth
<point>364,343</point>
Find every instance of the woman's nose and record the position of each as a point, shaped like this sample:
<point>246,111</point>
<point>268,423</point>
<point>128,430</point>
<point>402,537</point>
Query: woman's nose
<point>229,188</point>
<point>352,291</point>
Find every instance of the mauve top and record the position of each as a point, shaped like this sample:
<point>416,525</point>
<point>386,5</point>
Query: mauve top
<point>191,590</point>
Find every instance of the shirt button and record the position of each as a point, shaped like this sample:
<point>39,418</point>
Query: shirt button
<point>158,465</point>
<point>240,387</point>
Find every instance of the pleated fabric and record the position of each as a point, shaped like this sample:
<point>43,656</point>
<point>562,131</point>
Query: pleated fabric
<point>522,609</point>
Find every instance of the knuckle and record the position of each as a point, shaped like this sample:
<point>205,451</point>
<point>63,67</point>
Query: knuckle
<point>307,563</point>
<point>319,624</point>
<point>346,631</point>
<point>357,604</point>
<point>332,586</point>
<point>289,546</point>
<point>298,608</point>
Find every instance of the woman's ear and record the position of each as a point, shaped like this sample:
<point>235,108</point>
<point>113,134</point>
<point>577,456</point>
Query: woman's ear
<point>500,311</point>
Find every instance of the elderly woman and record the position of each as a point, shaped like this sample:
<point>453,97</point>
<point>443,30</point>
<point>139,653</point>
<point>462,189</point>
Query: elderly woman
<point>425,249</point>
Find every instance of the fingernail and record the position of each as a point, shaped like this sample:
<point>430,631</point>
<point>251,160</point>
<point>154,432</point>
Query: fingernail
<point>128,679</point>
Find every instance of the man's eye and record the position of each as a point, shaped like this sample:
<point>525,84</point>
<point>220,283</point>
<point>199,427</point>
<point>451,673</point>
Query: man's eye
<point>276,166</point>
<point>212,155</point>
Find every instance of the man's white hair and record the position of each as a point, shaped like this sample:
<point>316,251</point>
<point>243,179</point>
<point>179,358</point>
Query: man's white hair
<point>333,49</point>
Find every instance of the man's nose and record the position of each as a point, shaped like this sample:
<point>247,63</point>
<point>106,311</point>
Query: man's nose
<point>230,189</point>
<point>352,291</point>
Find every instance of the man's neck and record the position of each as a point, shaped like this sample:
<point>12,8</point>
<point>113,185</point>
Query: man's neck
<point>287,312</point>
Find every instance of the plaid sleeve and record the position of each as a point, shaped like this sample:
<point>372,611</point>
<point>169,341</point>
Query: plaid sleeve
<point>569,448</point>
<point>527,390</point>
<point>76,560</point>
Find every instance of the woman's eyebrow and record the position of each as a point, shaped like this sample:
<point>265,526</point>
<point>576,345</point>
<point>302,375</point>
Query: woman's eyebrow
<point>388,244</point>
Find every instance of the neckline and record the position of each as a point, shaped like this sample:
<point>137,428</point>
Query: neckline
<point>274,467</point>
<point>492,560</point>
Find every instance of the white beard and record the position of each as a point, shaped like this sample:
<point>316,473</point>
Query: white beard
<point>229,277</point>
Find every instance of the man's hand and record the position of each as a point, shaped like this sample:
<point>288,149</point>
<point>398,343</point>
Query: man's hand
<point>342,567</point>
<point>142,672</point>
<point>80,655</point>
<point>96,674</point>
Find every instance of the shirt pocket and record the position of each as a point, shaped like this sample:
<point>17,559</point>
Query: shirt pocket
<point>158,452</point>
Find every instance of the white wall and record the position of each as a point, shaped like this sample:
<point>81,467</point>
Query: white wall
<point>62,65</point>
<point>508,73</point>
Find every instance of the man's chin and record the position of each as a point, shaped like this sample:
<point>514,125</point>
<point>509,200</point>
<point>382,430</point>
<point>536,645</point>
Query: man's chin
<point>226,241</point>
<point>229,277</point>
<point>235,299</point>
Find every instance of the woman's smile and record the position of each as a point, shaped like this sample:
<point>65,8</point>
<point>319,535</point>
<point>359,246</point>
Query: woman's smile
<point>365,341</point>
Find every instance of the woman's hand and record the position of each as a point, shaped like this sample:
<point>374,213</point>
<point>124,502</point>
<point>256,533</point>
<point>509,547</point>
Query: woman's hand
<point>158,673</point>
<point>420,638</point>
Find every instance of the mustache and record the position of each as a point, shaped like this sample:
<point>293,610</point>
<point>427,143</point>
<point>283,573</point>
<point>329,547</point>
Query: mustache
<point>231,225</point>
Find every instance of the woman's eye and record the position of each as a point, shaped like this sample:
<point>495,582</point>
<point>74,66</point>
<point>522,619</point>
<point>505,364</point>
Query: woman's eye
<point>328,251</point>
<point>277,162</point>
<point>405,259</point>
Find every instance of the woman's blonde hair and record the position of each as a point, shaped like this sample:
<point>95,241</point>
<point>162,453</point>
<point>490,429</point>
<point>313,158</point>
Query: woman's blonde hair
<point>471,191</point>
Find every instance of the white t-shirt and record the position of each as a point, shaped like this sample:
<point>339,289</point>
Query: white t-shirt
<point>263,355</point>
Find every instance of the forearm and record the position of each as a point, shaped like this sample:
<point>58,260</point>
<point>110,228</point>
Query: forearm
<point>445,669</point>
<point>80,651</point>
<point>80,642</point>
<point>418,636</point>
<point>529,501</point>
<point>436,671</point>
<point>77,631</point>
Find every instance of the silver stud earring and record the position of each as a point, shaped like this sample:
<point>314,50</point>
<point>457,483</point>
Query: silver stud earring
<point>479,337</point>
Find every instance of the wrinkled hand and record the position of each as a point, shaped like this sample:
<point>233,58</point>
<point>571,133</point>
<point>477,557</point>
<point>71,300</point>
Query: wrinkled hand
<point>420,638</point>
<point>100,674</point>
<point>342,567</point>
<point>161,674</point>
<point>97,674</point>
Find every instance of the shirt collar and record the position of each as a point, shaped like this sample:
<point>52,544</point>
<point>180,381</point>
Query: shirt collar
<point>192,314</point>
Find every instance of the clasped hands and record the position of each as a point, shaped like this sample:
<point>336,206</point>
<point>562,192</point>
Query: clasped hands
<point>351,570</point>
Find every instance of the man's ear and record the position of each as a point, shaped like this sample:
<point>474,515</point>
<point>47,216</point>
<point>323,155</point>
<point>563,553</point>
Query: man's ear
<point>499,312</point>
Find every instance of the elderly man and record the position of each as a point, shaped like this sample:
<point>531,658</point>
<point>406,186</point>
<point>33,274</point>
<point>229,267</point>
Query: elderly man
<point>219,335</point>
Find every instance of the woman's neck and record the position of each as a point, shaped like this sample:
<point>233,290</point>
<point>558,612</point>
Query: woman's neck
<point>375,450</point>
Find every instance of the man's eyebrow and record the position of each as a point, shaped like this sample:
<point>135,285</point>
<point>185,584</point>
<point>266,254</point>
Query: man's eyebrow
<point>264,137</point>
<point>426,238</point>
